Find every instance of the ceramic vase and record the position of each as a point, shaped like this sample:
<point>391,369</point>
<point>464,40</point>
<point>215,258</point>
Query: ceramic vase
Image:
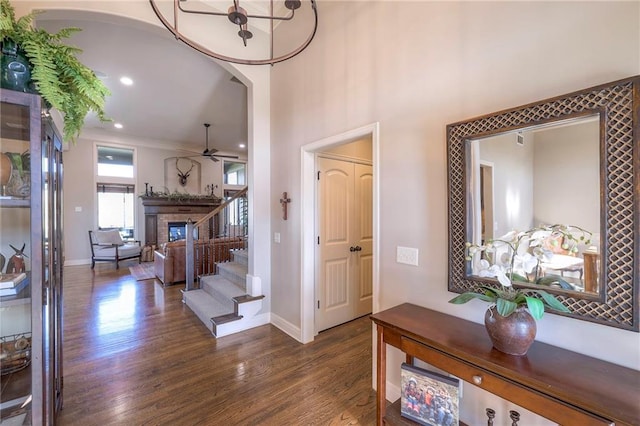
<point>513,334</point>
<point>15,70</point>
<point>5,169</point>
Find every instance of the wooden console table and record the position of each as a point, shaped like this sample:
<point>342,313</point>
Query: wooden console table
<point>563,386</point>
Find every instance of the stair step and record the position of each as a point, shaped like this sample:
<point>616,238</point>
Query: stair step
<point>222,302</point>
<point>234,272</point>
<point>223,319</point>
<point>221,288</point>
<point>241,257</point>
<point>205,306</point>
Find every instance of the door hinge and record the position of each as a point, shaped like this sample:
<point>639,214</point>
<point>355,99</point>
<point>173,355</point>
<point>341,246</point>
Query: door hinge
<point>318,175</point>
<point>318,239</point>
<point>318,304</point>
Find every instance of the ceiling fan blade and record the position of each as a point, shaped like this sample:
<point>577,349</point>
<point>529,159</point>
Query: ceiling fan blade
<point>225,156</point>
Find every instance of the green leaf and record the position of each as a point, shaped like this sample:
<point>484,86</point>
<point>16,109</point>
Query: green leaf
<point>535,306</point>
<point>465,297</point>
<point>551,301</point>
<point>490,291</point>
<point>505,307</point>
<point>519,278</point>
<point>554,279</point>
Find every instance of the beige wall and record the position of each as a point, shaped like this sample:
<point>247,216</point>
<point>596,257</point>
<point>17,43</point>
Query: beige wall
<point>79,188</point>
<point>414,67</point>
<point>567,170</point>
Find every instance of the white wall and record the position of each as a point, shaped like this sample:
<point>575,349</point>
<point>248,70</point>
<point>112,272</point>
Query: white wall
<point>414,67</point>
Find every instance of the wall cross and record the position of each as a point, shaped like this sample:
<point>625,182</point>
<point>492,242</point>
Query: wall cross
<point>284,201</point>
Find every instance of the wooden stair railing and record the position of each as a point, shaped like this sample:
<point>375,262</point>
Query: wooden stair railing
<point>228,220</point>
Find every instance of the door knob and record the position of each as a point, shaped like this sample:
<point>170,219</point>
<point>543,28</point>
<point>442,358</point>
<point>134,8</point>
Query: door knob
<point>358,248</point>
<point>352,249</point>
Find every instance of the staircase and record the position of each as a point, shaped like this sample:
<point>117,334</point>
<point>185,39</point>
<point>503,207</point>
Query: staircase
<point>222,302</point>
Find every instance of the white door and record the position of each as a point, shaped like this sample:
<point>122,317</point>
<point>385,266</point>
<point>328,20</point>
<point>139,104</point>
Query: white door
<point>344,268</point>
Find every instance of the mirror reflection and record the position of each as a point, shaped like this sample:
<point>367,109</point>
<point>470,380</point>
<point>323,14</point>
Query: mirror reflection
<point>544,180</point>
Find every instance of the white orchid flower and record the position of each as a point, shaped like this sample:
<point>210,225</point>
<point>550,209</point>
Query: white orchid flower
<point>509,236</point>
<point>538,237</point>
<point>503,279</point>
<point>490,271</point>
<point>525,262</point>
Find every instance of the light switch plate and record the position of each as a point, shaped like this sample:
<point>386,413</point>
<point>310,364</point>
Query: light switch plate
<point>407,255</point>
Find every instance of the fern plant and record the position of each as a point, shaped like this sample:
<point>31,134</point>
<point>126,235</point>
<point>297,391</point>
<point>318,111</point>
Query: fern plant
<point>59,77</point>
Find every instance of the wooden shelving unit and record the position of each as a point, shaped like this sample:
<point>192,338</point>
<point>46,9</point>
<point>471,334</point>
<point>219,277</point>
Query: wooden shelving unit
<point>31,214</point>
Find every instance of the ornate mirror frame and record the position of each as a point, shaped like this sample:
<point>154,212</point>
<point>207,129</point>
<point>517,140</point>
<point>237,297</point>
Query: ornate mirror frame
<point>618,104</point>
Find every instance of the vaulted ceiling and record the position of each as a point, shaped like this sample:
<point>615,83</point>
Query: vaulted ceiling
<point>175,89</point>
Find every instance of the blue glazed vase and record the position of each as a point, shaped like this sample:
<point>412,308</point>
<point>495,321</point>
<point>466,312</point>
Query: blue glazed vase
<point>15,71</point>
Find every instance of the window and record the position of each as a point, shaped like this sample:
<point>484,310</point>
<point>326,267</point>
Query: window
<point>116,208</point>
<point>115,162</point>
<point>115,189</point>
<point>234,173</point>
<point>235,216</point>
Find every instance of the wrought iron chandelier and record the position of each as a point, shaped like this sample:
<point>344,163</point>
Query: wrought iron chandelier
<point>239,17</point>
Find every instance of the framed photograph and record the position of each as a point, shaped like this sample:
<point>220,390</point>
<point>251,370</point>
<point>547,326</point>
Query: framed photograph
<point>429,398</point>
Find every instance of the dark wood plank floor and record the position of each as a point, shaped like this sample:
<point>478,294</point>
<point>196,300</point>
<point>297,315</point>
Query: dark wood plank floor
<point>135,355</point>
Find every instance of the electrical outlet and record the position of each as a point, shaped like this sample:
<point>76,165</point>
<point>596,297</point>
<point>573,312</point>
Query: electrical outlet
<point>407,255</point>
<point>276,237</point>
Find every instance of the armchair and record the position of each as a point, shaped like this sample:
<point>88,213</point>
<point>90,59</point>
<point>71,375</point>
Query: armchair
<point>108,246</point>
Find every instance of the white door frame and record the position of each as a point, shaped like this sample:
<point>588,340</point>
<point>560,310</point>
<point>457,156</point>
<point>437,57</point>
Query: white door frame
<point>308,246</point>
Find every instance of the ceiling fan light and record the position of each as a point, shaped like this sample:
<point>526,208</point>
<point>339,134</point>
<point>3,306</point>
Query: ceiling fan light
<point>237,15</point>
<point>244,33</point>
<point>292,4</point>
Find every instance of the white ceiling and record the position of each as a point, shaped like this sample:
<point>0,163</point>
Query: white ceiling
<point>176,89</point>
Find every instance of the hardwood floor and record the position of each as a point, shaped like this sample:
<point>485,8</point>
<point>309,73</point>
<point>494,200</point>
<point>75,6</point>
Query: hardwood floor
<point>135,355</point>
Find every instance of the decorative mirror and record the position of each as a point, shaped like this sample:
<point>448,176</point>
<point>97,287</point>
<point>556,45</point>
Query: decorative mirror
<point>571,161</point>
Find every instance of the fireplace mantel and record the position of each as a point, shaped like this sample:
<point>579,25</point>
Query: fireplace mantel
<point>158,210</point>
<point>156,205</point>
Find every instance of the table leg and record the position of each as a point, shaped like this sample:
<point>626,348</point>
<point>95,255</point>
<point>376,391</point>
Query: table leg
<point>381,377</point>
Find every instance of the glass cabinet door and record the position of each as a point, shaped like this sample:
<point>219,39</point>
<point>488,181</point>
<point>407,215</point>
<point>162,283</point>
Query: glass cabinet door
<point>30,267</point>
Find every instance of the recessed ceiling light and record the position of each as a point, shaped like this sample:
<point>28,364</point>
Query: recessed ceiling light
<point>117,125</point>
<point>242,145</point>
<point>126,81</point>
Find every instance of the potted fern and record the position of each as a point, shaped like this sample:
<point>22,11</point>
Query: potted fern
<point>55,71</point>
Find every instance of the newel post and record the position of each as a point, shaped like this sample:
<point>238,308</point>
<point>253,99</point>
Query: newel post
<point>189,253</point>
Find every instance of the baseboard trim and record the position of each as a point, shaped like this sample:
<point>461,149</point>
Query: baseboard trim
<point>286,327</point>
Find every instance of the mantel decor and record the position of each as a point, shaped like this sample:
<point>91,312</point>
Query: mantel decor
<point>178,198</point>
<point>615,107</point>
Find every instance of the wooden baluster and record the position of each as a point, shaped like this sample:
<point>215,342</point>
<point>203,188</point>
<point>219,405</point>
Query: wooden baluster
<point>515,417</point>
<point>491,414</point>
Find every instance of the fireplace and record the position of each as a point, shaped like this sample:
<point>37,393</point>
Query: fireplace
<point>176,230</point>
<point>159,212</point>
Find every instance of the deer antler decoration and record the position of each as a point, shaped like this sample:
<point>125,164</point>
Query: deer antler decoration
<point>183,175</point>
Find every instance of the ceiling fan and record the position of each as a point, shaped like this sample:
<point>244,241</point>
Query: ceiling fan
<point>211,153</point>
